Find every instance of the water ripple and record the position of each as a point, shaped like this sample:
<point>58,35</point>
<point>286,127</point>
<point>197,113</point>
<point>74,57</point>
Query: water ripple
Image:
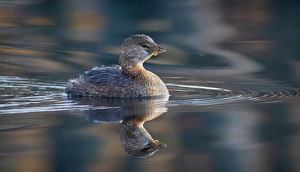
<point>224,93</point>
<point>23,95</point>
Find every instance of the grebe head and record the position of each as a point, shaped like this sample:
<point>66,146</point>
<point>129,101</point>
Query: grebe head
<point>135,50</point>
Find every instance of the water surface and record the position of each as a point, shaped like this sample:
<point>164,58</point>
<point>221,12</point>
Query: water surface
<point>231,67</point>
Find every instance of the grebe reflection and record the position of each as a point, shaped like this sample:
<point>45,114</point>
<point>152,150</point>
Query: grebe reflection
<point>131,114</point>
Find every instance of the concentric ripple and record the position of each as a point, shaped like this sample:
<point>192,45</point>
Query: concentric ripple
<point>267,92</point>
<point>23,95</point>
<point>216,92</point>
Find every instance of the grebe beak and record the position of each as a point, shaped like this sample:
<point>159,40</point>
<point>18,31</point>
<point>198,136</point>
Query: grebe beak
<point>157,145</point>
<point>157,50</point>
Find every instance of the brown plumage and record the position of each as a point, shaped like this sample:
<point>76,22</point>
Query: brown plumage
<point>131,114</point>
<point>129,79</point>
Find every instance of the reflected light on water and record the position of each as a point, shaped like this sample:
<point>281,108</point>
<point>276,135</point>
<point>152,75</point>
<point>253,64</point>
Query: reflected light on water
<point>231,67</point>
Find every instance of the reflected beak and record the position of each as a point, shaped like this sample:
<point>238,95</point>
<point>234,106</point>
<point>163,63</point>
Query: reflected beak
<point>157,50</point>
<point>158,145</point>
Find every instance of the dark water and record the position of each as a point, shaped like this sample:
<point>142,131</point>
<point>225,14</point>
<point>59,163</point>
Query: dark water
<point>231,67</point>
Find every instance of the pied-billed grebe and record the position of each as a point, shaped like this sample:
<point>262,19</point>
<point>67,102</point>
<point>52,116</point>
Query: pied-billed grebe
<point>131,114</point>
<point>130,79</point>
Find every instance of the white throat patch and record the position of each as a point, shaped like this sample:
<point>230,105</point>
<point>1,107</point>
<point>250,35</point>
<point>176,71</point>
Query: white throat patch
<point>145,54</point>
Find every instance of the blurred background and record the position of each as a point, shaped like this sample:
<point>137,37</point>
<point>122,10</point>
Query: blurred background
<point>231,37</point>
<point>250,47</point>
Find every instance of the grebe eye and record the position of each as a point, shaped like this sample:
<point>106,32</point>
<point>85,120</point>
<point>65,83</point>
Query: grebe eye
<point>145,46</point>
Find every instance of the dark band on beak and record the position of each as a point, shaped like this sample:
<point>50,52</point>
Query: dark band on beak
<point>156,50</point>
<point>160,49</point>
